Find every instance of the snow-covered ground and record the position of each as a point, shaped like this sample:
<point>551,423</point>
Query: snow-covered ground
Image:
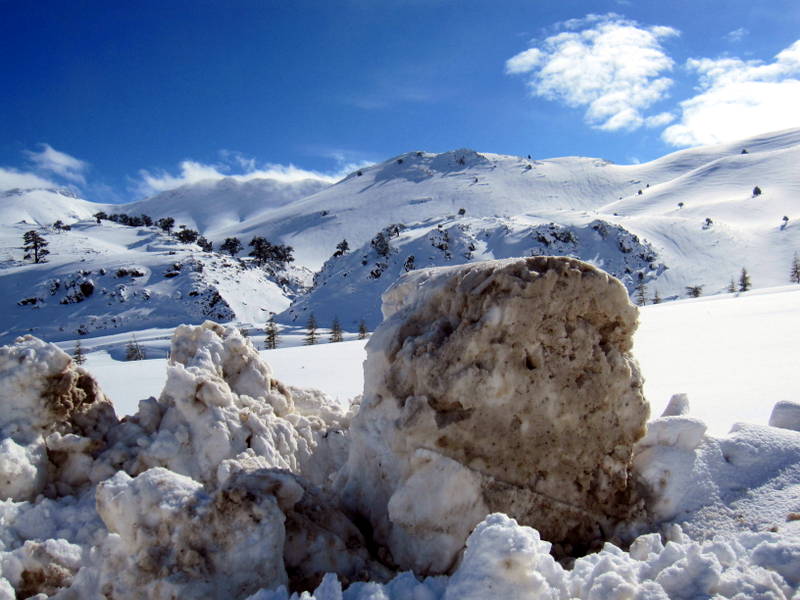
<point>734,355</point>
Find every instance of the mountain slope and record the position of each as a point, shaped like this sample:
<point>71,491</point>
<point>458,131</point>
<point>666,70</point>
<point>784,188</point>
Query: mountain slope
<point>109,277</point>
<point>694,210</point>
<point>216,207</point>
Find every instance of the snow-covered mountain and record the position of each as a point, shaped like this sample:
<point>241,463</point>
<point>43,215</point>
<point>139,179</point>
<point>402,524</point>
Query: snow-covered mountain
<point>101,278</point>
<point>688,219</point>
<point>224,207</point>
<point>349,285</point>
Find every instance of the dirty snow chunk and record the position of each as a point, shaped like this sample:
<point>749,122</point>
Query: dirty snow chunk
<point>678,405</point>
<point>488,367</point>
<point>173,539</point>
<point>43,392</point>
<point>786,415</point>
<point>41,567</point>
<point>211,347</point>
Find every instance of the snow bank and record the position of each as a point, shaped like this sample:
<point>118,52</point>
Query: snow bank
<point>500,386</point>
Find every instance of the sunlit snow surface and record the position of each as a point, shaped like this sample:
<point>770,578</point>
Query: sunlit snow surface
<point>734,355</point>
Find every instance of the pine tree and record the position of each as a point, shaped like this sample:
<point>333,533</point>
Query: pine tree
<point>166,224</point>
<point>134,351</point>
<point>205,245</point>
<point>186,235</point>
<point>231,245</point>
<point>342,248</point>
<point>77,353</point>
<point>336,331</point>
<point>271,331</point>
<point>795,273</point>
<point>362,330</point>
<point>35,246</point>
<point>744,281</point>
<point>311,335</point>
<point>656,298</point>
<point>641,293</point>
<point>694,291</point>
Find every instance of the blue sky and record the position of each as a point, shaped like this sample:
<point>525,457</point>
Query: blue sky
<point>122,100</point>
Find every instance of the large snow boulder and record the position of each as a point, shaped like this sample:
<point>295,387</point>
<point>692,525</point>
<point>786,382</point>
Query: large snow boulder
<point>504,386</point>
<point>52,416</point>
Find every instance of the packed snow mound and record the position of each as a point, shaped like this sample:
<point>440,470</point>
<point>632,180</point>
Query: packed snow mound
<point>498,386</point>
<point>53,413</point>
<point>197,495</point>
<point>220,401</point>
<point>746,481</point>
<point>350,284</point>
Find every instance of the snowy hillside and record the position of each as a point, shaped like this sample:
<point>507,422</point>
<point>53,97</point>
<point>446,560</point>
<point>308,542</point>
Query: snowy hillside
<point>224,207</point>
<point>101,278</point>
<point>42,206</point>
<point>687,219</point>
<point>417,186</point>
<point>349,286</point>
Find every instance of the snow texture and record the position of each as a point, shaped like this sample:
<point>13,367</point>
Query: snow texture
<point>473,380</point>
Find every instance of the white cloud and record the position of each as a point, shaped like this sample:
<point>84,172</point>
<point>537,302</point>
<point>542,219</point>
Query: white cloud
<point>193,172</point>
<point>659,120</point>
<point>11,178</point>
<point>739,98</point>
<point>614,67</point>
<point>737,35</point>
<point>51,160</point>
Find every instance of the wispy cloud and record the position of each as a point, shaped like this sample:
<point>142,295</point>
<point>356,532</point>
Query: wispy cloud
<point>739,98</point>
<point>737,35</point>
<point>11,178</point>
<point>611,65</point>
<point>50,160</point>
<point>236,166</point>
